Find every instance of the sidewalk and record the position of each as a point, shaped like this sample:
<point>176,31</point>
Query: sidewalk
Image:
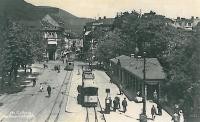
<point>133,109</point>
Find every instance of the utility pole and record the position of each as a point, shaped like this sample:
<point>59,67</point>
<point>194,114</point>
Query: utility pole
<point>143,116</point>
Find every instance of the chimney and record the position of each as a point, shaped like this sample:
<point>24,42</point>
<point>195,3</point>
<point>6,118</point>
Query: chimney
<point>104,17</point>
<point>99,18</point>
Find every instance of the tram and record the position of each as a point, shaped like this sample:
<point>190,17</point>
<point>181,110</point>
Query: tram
<point>89,93</point>
<point>69,65</point>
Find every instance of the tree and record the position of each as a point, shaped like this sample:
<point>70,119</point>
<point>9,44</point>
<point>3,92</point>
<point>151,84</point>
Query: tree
<point>110,46</point>
<point>17,51</point>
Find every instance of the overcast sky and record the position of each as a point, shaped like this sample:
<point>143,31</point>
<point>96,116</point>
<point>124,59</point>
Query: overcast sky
<point>109,8</point>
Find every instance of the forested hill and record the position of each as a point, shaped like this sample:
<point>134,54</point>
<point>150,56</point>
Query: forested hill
<point>22,11</point>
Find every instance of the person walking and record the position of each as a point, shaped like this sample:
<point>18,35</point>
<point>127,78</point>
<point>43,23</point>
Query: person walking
<point>34,82</point>
<point>181,117</point>
<point>124,104</point>
<point>155,96</point>
<point>159,109</point>
<point>175,117</point>
<point>49,90</point>
<point>118,102</point>
<point>114,105</point>
<point>41,87</point>
<point>153,112</point>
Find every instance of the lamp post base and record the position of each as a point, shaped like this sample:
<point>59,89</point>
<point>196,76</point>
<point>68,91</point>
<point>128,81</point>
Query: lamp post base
<point>143,117</point>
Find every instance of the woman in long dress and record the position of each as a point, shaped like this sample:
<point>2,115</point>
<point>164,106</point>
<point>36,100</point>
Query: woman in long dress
<point>181,117</point>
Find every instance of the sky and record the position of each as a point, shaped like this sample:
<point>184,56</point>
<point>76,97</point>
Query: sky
<point>109,8</point>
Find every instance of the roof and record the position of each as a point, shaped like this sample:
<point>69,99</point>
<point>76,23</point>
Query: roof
<point>135,66</point>
<point>50,20</point>
<point>89,83</point>
<point>107,21</point>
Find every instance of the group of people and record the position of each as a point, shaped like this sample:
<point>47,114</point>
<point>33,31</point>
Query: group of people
<point>48,89</point>
<point>178,115</point>
<point>42,88</point>
<point>116,104</point>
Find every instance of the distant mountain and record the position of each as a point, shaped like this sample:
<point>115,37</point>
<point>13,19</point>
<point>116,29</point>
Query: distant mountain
<point>29,14</point>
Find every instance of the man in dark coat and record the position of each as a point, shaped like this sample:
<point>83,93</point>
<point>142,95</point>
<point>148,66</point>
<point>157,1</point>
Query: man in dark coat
<point>49,90</point>
<point>34,82</point>
<point>153,112</point>
<point>114,105</point>
<point>124,104</point>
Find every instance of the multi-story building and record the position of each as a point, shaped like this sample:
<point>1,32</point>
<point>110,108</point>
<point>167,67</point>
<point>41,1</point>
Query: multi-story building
<point>89,41</point>
<point>52,33</point>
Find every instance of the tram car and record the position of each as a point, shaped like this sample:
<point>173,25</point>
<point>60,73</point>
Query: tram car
<point>89,93</point>
<point>69,65</point>
<point>87,75</point>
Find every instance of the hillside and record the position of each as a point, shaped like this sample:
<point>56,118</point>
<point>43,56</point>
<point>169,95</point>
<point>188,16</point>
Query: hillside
<point>29,14</point>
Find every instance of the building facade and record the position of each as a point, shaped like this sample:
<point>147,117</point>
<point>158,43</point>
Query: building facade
<point>90,43</point>
<point>52,34</point>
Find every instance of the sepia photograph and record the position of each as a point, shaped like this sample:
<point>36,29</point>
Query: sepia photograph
<point>99,61</point>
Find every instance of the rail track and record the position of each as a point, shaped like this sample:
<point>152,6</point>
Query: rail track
<point>92,116</point>
<point>55,113</point>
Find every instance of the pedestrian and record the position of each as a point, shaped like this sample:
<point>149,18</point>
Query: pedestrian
<point>58,68</point>
<point>124,104</point>
<point>138,93</point>
<point>114,105</point>
<point>49,90</point>
<point>63,60</point>
<point>159,109</point>
<point>155,96</point>
<point>153,112</point>
<point>181,117</point>
<point>176,108</point>
<point>110,99</point>
<point>175,117</point>
<point>30,70</point>
<point>118,102</point>
<point>41,87</point>
<point>34,82</point>
<point>120,89</point>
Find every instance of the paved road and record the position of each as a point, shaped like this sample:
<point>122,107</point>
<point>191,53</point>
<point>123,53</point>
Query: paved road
<point>32,105</point>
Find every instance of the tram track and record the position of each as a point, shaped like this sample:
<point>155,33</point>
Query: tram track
<point>58,103</point>
<point>91,114</point>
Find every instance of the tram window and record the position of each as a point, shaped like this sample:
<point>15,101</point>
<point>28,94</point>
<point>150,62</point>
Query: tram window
<point>91,91</point>
<point>88,76</point>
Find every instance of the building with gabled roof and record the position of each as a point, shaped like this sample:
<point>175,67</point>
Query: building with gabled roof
<point>53,34</point>
<point>128,72</point>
